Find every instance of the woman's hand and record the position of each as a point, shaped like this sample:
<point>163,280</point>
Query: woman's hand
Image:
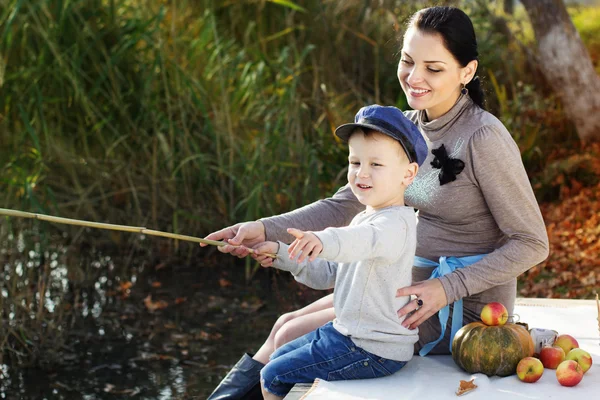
<point>261,250</point>
<point>244,234</point>
<point>431,293</point>
<point>306,242</point>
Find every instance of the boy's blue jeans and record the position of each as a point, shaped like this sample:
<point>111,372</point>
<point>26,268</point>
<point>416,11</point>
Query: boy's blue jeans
<point>326,354</point>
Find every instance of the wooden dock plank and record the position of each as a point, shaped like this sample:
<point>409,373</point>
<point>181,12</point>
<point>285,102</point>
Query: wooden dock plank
<point>298,391</point>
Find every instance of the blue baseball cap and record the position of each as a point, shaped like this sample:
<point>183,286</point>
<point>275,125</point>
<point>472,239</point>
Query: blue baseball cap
<point>392,122</point>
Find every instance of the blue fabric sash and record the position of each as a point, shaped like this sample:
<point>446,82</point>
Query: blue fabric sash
<point>445,266</point>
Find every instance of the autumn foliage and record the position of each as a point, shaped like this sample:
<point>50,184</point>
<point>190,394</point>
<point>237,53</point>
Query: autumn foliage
<point>573,222</point>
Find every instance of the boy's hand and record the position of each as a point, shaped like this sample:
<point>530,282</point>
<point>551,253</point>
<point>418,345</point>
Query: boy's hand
<point>306,242</point>
<point>265,247</point>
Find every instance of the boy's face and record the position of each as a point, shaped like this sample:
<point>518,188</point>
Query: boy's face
<point>378,170</point>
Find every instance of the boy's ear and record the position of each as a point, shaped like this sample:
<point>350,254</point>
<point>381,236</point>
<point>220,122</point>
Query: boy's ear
<point>410,173</point>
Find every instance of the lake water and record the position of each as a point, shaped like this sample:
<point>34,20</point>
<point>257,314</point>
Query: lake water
<point>136,327</point>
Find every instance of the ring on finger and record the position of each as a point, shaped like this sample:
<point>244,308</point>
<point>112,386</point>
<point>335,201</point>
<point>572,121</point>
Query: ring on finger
<point>419,303</point>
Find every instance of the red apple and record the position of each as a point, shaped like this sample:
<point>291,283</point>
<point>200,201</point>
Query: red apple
<point>530,369</point>
<point>569,373</point>
<point>552,356</point>
<point>583,358</point>
<point>494,314</point>
<point>567,342</point>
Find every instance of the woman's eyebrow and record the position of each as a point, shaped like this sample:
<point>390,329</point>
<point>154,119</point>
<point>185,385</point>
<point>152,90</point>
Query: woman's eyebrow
<point>426,62</point>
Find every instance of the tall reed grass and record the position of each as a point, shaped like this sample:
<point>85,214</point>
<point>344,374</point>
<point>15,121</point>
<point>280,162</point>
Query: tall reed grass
<point>178,115</point>
<point>189,115</point>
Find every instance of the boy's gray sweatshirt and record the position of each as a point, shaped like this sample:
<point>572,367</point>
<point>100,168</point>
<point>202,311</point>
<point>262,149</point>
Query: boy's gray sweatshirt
<point>489,209</point>
<point>365,263</point>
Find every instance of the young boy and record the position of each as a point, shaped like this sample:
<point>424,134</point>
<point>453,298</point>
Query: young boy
<point>364,262</point>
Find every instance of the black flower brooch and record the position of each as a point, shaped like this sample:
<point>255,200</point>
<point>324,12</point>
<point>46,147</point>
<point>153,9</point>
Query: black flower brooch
<point>450,167</point>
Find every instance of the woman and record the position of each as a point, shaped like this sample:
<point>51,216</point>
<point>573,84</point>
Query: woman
<point>479,223</point>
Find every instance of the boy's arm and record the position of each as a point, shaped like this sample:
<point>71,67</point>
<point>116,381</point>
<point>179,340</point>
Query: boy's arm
<point>317,274</point>
<point>384,236</point>
<point>334,211</point>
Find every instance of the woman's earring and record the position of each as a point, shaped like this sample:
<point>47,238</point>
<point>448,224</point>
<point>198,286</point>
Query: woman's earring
<point>464,89</point>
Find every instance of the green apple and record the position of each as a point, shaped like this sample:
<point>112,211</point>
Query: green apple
<point>583,358</point>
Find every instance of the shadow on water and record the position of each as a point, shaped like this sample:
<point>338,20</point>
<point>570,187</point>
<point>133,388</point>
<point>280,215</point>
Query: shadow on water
<point>131,325</point>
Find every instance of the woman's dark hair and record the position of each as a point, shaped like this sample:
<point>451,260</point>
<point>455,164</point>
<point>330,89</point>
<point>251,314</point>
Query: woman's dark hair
<point>457,32</point>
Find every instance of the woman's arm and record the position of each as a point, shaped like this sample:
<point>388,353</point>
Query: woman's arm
<point>334,211</point>
<point>501,176</point>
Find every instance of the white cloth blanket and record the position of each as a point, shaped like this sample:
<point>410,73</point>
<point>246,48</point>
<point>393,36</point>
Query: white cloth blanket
<point>437,377</point>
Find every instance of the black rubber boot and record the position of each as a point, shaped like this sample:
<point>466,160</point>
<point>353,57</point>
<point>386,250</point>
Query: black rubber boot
<point>242,382</point>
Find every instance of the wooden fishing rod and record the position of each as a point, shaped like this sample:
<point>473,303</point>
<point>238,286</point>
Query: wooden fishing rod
<point>124,228</point>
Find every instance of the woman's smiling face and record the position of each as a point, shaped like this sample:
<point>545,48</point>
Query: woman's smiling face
<point>429,74</point>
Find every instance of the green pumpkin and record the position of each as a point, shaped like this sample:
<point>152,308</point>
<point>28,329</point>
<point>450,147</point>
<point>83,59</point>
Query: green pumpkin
<point>491,350</point>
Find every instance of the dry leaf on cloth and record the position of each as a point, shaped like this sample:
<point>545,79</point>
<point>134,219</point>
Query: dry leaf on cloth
<point>465,387</point>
